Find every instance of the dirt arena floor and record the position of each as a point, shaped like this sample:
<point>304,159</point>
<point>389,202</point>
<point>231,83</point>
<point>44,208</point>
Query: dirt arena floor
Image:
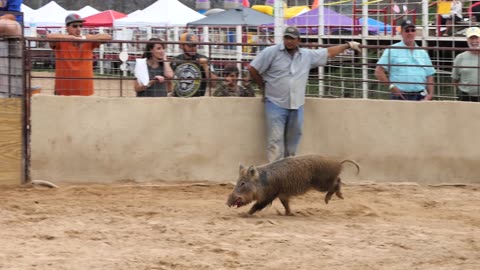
<point>188,226</point>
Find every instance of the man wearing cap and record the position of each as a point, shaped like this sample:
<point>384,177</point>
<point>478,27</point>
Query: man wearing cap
<point>281,72</point>
<point>192,72</point>
<point>74,60</point>
<point>466,68</point>
<point>9,22</point>
<point>410,71</point>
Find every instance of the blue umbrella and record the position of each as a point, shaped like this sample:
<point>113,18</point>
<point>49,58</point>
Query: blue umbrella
<point>380,26</point>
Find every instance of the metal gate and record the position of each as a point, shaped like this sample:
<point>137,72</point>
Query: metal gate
<point>13,112</point>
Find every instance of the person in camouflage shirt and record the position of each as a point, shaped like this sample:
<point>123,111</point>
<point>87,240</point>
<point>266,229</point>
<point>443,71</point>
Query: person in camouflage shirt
<point>229,86</point>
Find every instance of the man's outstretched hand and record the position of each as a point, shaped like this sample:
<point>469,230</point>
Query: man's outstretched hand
<point>354,45</point>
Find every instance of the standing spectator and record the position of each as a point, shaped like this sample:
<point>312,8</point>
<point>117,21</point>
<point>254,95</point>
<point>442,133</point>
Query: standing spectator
<point>191,70</point>
<point>410,71</point>
<point>281,72</point>
<point>158,69</point>
<point>230,88</point>
<point>74,60</point>
<point>10,23</point>
<point>465,73</point>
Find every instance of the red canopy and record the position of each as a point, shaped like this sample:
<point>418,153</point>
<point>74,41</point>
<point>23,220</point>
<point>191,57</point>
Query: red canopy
<point>104,18</point>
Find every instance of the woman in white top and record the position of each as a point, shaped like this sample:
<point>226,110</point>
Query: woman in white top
<point>159,70</point>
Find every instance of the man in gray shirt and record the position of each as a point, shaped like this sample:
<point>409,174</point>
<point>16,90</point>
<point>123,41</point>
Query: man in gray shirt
<point>465,73</point>
<point>281,72</point>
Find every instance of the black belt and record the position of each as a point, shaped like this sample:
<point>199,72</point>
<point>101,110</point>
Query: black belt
<point>413,92</point>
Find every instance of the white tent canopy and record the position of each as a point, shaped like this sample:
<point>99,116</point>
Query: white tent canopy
<point>50,15</point>
<point>53,15</point>
<point>135,13</point>
<point>25,9</point>
<point>86,11</point>
<point>27,13</point>
<point>160,13</point>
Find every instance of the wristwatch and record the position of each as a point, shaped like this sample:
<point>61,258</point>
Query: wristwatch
<point>391,86</point>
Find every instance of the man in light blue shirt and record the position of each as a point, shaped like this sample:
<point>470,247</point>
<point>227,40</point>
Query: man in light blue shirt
<point>410,71</point>
<point>281,72</point>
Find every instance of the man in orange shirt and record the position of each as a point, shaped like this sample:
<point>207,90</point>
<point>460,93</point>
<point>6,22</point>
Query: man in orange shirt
<point>74,60</point>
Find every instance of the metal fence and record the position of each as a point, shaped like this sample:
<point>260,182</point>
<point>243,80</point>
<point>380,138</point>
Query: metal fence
<point>349,75</point>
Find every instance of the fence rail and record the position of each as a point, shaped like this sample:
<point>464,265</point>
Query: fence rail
<point>347,75</point>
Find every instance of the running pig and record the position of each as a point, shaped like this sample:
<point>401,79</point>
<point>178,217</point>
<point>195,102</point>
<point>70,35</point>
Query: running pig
<point>285,178</point>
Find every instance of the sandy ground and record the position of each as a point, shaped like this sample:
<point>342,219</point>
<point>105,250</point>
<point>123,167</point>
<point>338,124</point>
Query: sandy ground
<point>188,226</point>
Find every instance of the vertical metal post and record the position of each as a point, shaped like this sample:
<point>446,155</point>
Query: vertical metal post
<point>206,38</point>
<point>176,38</point>
<point>278,15</point>
<point>424,23</point>
<point>364,52</point>
<point>101,54</point>
<point>321,33</point>
<point>26,112</point>
<point>239,49</point>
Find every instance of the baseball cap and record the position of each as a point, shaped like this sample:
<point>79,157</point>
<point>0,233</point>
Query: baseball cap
<point>407,23</point>
<point>187,37</point>
<point>473,31</point>
<point>73,18</point>
<point>291,32</point>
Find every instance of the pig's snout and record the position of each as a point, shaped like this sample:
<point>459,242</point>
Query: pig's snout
<point>234,200</point>
<point>230,200</point>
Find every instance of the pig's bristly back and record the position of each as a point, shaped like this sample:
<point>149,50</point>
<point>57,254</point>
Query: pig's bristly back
<point>295,175</point>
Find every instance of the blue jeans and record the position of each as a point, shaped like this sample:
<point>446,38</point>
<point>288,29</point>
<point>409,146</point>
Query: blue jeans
<point>284,130</point>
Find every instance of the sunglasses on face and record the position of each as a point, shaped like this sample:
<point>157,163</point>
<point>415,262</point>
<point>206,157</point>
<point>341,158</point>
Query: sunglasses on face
<point>192,45</point>
<point>410,30</point>
<point>77,25</point>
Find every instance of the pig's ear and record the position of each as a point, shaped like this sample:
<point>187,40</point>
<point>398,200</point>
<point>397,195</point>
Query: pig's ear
<point>241,169</point>
<point>252,171</point>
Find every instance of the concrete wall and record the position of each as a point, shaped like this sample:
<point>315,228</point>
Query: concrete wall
<point>90,139</point>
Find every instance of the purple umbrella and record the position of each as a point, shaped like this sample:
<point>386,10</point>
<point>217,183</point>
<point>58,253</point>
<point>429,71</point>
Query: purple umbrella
<point>333,21</point>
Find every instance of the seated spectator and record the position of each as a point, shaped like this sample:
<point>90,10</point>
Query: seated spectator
<point>455,15</point>
<point>9,23</point>
<point>158,70</point>
<point>475,16</point>
<point>229,86</point>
